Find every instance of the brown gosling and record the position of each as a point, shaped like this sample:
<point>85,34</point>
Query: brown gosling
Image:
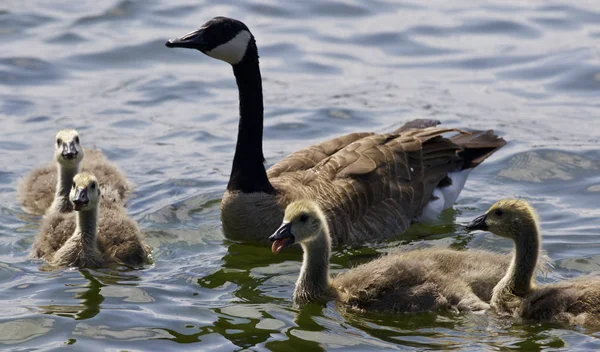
<point>419,280</point>
<point>90,237</point>
<point>47,188</point>
<point>571,302</point>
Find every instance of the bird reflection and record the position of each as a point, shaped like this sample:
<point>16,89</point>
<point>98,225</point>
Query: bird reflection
<point>89,296</point>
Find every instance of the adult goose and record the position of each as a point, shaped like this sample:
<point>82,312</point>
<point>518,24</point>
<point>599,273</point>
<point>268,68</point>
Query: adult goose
<point>47,187</point>
<point>370,186</point>
<point>575,301</point>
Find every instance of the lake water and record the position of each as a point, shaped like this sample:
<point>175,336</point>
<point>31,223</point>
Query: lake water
<point>168,118</point>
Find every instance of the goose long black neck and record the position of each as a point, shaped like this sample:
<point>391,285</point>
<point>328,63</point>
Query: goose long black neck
<point>248,173</point>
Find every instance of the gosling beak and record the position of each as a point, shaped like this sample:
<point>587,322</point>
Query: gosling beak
<point>478,223</point>
<point>69,151</point>
<point>282,238</point>
<point>80,198</point>
<point>192,40</point>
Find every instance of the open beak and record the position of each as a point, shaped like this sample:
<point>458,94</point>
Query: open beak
<point>69,151</point>
<point>192,40</point>
<point>80,198</point>
<point>282,238</point>
<point>478,223</point>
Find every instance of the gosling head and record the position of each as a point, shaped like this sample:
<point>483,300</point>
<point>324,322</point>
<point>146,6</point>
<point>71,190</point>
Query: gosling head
<point>222,38</point>
<point>303,222</point>
<point>67,150</point>
<point>85,193</point>
<point>507,218</point>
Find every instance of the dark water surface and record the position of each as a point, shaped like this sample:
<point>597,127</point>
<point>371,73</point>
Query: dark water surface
<point>168,118</point>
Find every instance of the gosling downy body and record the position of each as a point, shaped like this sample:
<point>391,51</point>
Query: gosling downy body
<point>47,187</point>
<point>420,280</point>
<point>575,301</point>
<point>370,186</point>
<point>91,236</point>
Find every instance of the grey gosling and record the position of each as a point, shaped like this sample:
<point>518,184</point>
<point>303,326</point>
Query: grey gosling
<point>92,236</point>
<point>47,187</point>
<point>572,302</point>
<point>371,186</point>
<point>413,281</point>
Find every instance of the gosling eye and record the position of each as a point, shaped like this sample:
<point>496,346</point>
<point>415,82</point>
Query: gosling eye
<point>93,185</point>
<point>303,218</point>
<point>58,142</point>
<point>76,139</point>
<point>498,212</point>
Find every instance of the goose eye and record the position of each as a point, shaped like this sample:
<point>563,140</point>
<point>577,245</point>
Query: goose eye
<point>303,218</point>
<point>498,212</point>
<point>77,139</point>
<point>58,142</point>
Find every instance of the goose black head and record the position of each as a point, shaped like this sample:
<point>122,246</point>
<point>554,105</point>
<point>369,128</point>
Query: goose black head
<point>222,38</point>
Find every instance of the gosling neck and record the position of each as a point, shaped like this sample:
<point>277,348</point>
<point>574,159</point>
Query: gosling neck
<point>64,180</point>
<point>248,173</point>
<point>313,282</point>
<point>87,226</point>
<point>519,277</point>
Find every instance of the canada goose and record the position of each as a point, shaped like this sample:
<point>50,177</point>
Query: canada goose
<point>370,186</point>
<point>419,280</point>
<point>85,238</point>
<point>575,301</point>
<point>48,187</point>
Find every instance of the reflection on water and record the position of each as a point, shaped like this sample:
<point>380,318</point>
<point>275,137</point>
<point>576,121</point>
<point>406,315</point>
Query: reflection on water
<point>529,70</point>
<point>88,294</point>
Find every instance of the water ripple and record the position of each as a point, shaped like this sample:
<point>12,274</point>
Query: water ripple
<point>169,119</point>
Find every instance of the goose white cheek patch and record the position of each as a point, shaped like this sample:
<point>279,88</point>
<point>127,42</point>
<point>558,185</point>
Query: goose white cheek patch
<point>233,51</point>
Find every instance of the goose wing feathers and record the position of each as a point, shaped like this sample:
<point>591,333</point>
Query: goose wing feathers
<point>377,182</point>
<point>55,231</point>
<point>309,157</point>
<point>575,301</point>
<point>36,191</point>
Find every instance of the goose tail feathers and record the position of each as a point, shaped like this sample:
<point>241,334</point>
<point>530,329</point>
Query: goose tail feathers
<point>477,146</point>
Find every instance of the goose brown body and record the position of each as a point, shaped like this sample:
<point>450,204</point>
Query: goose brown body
<point>37,190</point>
<point>95,237</point>
<point>370,186</point>
<point>574,301</point>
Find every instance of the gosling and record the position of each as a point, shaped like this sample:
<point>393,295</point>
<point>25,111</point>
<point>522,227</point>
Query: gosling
<point>47,188</point>
<point>571,302</point>
<point>90,237</point>
<point>420,280</point>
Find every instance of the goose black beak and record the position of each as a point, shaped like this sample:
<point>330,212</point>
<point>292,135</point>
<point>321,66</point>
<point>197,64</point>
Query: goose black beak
<point>192,40</point>
<point>478,223</point>
<point>80,198</point>
<point>282,238</point>
<point>69,151</point>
